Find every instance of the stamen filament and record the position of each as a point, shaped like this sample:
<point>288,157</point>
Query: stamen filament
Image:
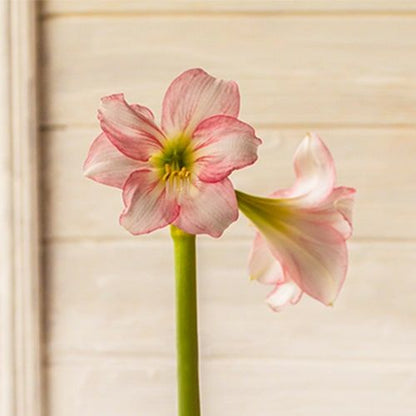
<point>172,172</point>
<point>167,172</point>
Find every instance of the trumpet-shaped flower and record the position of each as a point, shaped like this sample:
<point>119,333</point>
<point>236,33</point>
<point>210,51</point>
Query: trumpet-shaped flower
<point>176,173</point>
<point>300,246</point>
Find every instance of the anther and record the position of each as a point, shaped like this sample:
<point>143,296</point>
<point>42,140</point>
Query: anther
<point>167,172</point>
<point>171,173</point>
<point>183,172</point>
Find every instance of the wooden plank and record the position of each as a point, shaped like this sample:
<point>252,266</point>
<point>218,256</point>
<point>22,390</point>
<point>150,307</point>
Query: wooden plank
<point>116,298</point>
<point>249,6</point>
<point>349,70</point>
<point>21,379</point>
<point>378,162</point>
<point>129,387</point>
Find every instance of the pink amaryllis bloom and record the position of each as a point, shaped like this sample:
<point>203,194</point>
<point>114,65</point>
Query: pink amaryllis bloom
<point>176,173</point>
<point>300,246</point>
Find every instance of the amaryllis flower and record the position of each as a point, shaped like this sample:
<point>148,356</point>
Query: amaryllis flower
<point>301,243</point>
<point>176,173</point>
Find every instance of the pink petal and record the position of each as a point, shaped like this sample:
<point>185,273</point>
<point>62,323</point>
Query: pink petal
<point>195,95</point>
<point>107,165</point>
<point>208,208</point>
<point>336,210</point>
<point>343,203</point>
<point>306,227</point>
<point>129,128</point>
<point>284,294</point>
<point>315,173</point>
<point>313,255</point>
<point>147,206</point>
<point>223,144</point>
<point>142,111</point>
<point>263,266</point>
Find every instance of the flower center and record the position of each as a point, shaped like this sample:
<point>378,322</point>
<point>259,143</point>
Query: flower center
<point>174,162</point>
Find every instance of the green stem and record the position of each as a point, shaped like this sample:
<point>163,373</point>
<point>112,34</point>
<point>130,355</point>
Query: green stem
<point>186,323</point>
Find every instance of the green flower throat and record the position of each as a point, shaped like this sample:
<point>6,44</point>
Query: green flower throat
<point>175,160</point>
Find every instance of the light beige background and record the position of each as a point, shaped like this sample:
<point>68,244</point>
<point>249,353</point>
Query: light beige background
<point>345,69</point>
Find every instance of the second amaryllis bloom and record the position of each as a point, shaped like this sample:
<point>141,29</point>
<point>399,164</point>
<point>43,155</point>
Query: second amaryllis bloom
<point>301,243</point>
<point>176,173</point>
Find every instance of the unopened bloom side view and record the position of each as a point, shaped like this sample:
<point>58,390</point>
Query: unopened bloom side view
<point>300,246</point>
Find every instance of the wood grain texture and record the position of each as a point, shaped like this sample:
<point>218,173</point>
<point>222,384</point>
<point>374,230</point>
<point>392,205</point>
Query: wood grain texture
<point>234,388</point>
<point>116,299</point>
<point>21,389</point>
<point>343,68</point>
<point>291,70</point>
<point>249,6</point>
<point>378,162</point>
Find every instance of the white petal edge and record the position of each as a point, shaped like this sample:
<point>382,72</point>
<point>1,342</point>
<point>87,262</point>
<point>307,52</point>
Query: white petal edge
<point>107,165</point>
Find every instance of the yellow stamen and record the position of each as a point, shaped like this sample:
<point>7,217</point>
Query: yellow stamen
<point>167,172</point>
<point>182,173</point>
<point>172,172</point>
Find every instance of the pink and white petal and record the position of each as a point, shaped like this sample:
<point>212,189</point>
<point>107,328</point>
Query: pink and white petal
<point>311,252</point>
<point>195,95</point>
<point>208,208</point>
<point>129,128</point>
<point>143,111</point>
<point>107,165</point>
<point>313,255</point>
<point>223,144</point>
<point>263,266</point>
<point>344,202</point>
<point>147,206</point>
<point>335,211</point>
<point>315,173</point>
<point>284,294</point>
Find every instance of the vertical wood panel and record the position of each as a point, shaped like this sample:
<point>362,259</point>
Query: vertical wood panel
<point>20,343</point>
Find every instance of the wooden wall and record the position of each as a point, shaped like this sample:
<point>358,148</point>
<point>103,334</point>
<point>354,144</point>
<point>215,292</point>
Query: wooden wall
<point>345,69</point>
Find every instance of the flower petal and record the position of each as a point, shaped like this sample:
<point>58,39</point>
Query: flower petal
<point>143,111</point>
<point>336,210</point>
<point>107,165</point>
<point>343,203</point>
<point>129,128</point>
<point>263,266</point>
<point>312,253</point>
<point>223,144</point>
<point>195,95</point>
<point>147,206</point>
<point>314,256</point>
<point>315,173</point>
<point>208,208</point>
<point>283,294</point>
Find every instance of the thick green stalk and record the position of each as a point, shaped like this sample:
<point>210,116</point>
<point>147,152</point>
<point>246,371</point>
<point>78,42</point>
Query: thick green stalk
<point>186,323</point>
